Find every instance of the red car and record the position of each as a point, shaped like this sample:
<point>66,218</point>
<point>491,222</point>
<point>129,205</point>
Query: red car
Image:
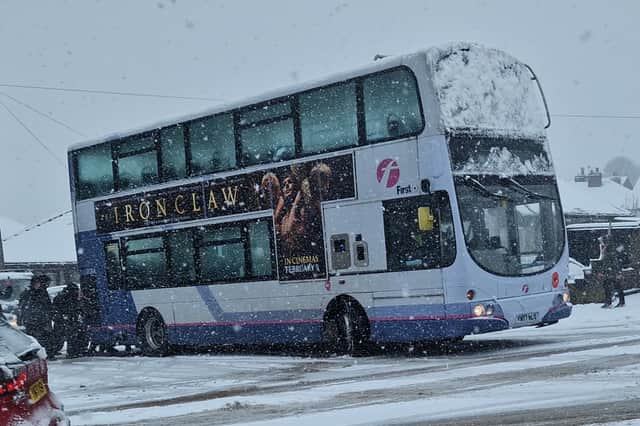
<point>25,397</point>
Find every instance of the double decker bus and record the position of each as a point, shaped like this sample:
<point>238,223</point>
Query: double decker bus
<point>413,199</point>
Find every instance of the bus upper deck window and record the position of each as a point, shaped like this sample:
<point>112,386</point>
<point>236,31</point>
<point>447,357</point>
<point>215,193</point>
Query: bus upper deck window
<point>267,133</point>
<point>174,164</point>
<point>137,162</point>
<point>392,105</point>
<point>212,144</point>
<point>328,118</point>
<point>94,171</point>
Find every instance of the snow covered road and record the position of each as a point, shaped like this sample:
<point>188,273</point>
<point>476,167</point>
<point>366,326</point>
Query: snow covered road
<point>584,369</point>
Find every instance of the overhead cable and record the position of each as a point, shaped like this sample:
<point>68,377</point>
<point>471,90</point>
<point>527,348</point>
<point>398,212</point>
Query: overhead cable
<point>109,92</point>
<point>36,225</point>
<point>45,115</point>
<point>40,142</point>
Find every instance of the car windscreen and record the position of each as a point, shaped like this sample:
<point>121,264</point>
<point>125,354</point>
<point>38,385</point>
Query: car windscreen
<point>12,288</point>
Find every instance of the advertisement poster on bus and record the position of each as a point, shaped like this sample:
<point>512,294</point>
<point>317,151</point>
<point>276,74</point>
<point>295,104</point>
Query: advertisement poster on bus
<point>295,194</point>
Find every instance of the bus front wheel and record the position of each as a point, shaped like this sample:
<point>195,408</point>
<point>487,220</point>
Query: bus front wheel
<point>152,334</point>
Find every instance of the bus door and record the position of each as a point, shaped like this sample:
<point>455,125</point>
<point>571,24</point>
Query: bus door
<point>353,239</point>
<point>398,247</point>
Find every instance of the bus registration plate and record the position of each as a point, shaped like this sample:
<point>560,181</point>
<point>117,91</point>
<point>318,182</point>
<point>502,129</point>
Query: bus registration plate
<point>37,391</point>
<point>527,317</point>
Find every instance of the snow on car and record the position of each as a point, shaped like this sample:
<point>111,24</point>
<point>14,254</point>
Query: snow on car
<point>25,397</point>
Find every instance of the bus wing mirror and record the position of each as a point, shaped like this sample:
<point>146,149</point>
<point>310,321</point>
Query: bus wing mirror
<point>425,219</point>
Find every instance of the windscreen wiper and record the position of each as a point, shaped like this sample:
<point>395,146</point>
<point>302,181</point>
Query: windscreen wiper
<point>475,184</point>
<point>532,194</point>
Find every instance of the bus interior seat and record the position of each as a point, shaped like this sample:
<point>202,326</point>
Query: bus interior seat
<point>494,243</point>
<point>282,153</point>
<point>394,125</point>
<point>169,172</point>
<point>327,138</point>
<point>148,175</point>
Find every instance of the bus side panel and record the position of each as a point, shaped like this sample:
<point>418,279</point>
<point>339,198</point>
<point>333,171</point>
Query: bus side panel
<point>388,171</point>
<point>248,312</point>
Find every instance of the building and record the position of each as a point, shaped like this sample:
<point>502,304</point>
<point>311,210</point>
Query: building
<point>595,199</point>
<point>595,206</point>
<point>623,180</point>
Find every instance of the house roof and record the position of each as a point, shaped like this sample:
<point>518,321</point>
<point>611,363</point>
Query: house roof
<point>610,199</point>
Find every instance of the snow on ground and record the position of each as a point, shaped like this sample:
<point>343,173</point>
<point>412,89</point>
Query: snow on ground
<point>592,357</point>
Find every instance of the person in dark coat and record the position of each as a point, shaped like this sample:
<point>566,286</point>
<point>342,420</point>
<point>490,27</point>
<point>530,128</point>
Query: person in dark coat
<point>35,312</point>
<point>69,320</point>
<point>611,272</point>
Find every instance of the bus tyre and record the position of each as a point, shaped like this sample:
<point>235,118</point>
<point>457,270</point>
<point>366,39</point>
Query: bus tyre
<point>352,331</point>
<point>152,334</point>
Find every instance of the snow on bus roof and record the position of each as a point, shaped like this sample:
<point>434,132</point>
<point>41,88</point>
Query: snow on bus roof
<point>484,88</point>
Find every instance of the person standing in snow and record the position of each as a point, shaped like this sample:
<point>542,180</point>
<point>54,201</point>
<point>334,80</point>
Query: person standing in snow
<point>611,272</point>
<point>35,312</point>
<point>68,309</point>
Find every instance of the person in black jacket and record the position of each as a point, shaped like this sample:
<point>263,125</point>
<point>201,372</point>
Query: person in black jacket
<point>35,313</point>
<point>69,320</point>
<point>611,272</point>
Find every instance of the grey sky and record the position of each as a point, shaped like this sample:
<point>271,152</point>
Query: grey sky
<point>584,52</point>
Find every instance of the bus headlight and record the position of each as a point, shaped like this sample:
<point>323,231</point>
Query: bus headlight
<point>479,311</point>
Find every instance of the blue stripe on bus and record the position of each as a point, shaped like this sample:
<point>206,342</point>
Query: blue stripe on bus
<point>557,313</point>
<point>382,331</point>
<point>210,301</point>
<point>408,330</point>
<point>207,334</point>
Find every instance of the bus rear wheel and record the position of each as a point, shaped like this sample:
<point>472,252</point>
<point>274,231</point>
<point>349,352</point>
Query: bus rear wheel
<point>152,334</point>
<point>350,329</point>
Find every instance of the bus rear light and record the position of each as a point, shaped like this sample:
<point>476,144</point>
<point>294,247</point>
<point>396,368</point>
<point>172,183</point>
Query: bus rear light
<point>555,280</point>
<point>566,298</point>
<point>13,385</point>
<point>471,294</point>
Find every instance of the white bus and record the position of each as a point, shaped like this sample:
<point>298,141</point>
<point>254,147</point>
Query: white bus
<point>413,199</point>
